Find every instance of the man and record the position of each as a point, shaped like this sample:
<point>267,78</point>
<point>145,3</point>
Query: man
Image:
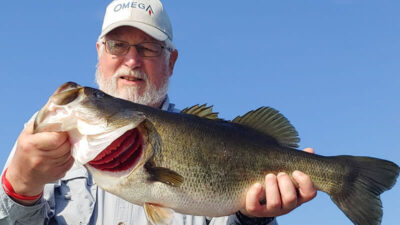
<point>136,58</point>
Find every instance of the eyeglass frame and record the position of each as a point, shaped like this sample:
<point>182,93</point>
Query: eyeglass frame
<point>162,47</point>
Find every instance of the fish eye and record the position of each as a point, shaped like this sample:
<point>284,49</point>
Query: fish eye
<point>98,94</point>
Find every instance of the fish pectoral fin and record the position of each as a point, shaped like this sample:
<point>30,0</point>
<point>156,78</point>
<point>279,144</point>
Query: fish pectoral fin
<point>158,215</point>
<point>165,175</point>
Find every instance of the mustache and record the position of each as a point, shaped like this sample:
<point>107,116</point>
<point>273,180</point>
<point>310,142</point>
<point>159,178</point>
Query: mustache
<point>124,71</point>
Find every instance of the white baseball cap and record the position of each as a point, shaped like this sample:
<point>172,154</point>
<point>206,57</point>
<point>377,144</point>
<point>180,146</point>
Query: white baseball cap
<point>146,15</point>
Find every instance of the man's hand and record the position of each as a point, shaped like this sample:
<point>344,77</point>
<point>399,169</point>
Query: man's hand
<point>39,159</point>
<point>280,193</point>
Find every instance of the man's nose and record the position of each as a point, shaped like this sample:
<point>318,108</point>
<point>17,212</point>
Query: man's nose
<point>132,58</point>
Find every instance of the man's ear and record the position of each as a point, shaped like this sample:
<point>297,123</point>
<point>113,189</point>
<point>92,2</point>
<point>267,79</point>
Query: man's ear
<point>172,59</point>
<point>97,47</point>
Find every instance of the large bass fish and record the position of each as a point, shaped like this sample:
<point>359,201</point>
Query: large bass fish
<point>194,163</point>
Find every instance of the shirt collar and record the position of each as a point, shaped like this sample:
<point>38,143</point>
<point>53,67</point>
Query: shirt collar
<point>167,106</point>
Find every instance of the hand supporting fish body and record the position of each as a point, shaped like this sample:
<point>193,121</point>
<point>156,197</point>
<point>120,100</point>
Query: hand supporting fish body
<point>194,163</point>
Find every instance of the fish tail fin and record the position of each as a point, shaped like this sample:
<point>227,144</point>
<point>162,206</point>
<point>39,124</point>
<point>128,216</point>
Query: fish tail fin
<point>359,198</point>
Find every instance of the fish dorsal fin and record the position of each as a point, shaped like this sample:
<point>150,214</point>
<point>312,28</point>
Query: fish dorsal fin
<point>201,111</point>
<point>271,122</point>
<point>158,215</point>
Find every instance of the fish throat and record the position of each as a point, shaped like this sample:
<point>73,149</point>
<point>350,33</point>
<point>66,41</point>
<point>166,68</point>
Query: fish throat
<point>121,154</point>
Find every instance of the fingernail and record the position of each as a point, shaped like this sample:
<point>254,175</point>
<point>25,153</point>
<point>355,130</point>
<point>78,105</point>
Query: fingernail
<point>281,174</point>
<point>257,186</point>
<point>270,176</point>
<point>297,173</point>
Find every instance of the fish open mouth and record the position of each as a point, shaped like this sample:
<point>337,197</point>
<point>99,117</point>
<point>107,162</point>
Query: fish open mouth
<point>121,154</point>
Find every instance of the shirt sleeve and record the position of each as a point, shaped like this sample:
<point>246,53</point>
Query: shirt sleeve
<point>12,212</point>
<point>234,220</point>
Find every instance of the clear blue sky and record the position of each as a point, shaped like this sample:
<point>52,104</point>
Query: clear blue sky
<point>332,67</point>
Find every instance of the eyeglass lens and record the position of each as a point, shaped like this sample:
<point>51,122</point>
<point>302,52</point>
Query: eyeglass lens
<point>145,49</point>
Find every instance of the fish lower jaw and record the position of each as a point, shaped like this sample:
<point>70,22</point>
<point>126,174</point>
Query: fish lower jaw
<point>99,174</point>
<point>106,179</point>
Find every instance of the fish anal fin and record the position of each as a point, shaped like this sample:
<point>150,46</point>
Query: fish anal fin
<point>203,111</point>
<point>271,122</point>
<point>158,215</point>
<point>164,175</point>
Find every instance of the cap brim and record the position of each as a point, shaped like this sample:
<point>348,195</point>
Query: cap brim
<point>150,30</point>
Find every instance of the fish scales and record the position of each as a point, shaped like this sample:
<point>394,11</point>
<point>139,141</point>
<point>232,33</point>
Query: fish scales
<point>199,150</point>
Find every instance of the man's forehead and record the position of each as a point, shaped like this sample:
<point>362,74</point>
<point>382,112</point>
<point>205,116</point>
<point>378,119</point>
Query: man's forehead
<point>128,32</point>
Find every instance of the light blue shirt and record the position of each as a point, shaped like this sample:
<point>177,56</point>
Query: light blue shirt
<point>76,200</point>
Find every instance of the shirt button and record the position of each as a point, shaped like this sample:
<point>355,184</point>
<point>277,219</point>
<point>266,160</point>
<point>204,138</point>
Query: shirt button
<point>67,197</point>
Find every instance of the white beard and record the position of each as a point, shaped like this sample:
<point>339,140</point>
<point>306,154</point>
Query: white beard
<point>151,96</point>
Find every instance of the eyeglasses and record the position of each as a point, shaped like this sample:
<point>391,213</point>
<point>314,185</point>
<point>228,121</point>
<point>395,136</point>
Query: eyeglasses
<point>144,49</point>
